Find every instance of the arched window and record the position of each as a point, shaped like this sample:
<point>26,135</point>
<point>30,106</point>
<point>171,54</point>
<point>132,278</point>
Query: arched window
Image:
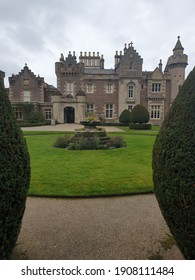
<point>130,90</point>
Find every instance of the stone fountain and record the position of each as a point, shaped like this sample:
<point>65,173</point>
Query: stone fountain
<point>91,132</point>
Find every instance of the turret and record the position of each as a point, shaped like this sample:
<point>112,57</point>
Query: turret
<point>176,65</point>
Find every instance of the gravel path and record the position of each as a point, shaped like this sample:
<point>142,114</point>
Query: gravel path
<point>67,127</point>
<point>128,227</point>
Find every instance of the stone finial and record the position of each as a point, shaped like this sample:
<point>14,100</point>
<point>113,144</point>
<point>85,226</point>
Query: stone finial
<point>160,65</point>
<point>61,57</point>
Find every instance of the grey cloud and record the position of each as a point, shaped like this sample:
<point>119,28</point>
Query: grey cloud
<point>35,30</point>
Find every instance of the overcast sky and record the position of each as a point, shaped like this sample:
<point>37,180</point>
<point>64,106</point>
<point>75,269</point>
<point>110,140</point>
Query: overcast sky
<point>36,32</point>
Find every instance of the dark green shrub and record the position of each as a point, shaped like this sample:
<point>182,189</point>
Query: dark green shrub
<point>140,114</point>
<point>22,124</point>
<point>89,143</point>
<point>140,126</point>
<point>125,116</point>
<point>31,114</point>
<point>84,143</point>
<point>174,168</point>
<point>35,117</point>
<point>117,142</point>
<point>27,109</point>
<point>62,142</point>
<point>14,176</point>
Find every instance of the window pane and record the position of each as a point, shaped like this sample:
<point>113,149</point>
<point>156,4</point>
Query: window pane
<point>109,88</point>
<point>69,88</point>
<point>48,114</point>
<point>131,91</point>
<point>90,109</point>
<point>18,112</point>
<point>26,96</point>
<point>109,111</point>
<point>90,88</point>
<point>156,87</point>
<point>155,112</point>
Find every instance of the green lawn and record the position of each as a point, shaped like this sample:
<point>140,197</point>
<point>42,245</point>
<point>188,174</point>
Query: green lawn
<point>58,172</point>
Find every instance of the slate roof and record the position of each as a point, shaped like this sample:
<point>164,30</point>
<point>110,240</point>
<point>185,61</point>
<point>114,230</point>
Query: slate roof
<point>178,45</point>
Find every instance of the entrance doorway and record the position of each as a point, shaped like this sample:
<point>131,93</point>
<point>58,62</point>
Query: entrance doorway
<point>69,115</point>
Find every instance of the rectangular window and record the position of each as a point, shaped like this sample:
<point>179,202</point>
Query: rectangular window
<point>131,91</point>
<point>109,88</point>
<point>69,88</point>
<point>156,87</point>
<point>155,112</point>
<point>18,112</point>
<point>48,114</point>
<point>90,109</point>
<point>89,88</point>
<point>130,107</point>
<point>109,111</point>
<point>26,96</point>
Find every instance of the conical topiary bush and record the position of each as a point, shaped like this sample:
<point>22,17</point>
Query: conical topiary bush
<point>14,176</point>
<point>174,168</point>
<point>125,116</point>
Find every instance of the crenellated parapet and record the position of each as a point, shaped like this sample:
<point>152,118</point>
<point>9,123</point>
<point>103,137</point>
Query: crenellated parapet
<point>68,66</point>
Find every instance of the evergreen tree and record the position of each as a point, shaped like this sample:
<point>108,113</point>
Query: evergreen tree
<point>140,114</point>
<point>174,168</point>
<point>125,116</point>
<point>14,175</point>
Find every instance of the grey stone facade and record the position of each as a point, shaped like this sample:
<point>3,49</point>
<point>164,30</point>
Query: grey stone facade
<point>84,87</point>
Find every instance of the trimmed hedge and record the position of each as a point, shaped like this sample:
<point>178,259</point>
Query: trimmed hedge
<point>141,126</point>
<point>140,114</point>
<point>174,168</point>
<point>14,176</point>
<point>22,124</point>
<point>125,116</point>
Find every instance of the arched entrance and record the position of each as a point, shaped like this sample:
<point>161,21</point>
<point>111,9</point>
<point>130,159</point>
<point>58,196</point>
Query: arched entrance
<point>69,115</point>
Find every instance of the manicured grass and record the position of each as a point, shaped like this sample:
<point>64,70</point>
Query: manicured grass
<point>59,172</point>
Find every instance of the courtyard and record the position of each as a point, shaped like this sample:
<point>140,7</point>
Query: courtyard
<point>112,227</point>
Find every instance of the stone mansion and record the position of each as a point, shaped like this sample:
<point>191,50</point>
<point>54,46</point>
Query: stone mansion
<point>85,87</point>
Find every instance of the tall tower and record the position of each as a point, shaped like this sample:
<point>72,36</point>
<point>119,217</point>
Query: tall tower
<point>176,65</point>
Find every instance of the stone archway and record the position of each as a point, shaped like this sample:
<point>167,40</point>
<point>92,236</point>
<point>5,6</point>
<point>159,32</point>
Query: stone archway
<point>69,115</point>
